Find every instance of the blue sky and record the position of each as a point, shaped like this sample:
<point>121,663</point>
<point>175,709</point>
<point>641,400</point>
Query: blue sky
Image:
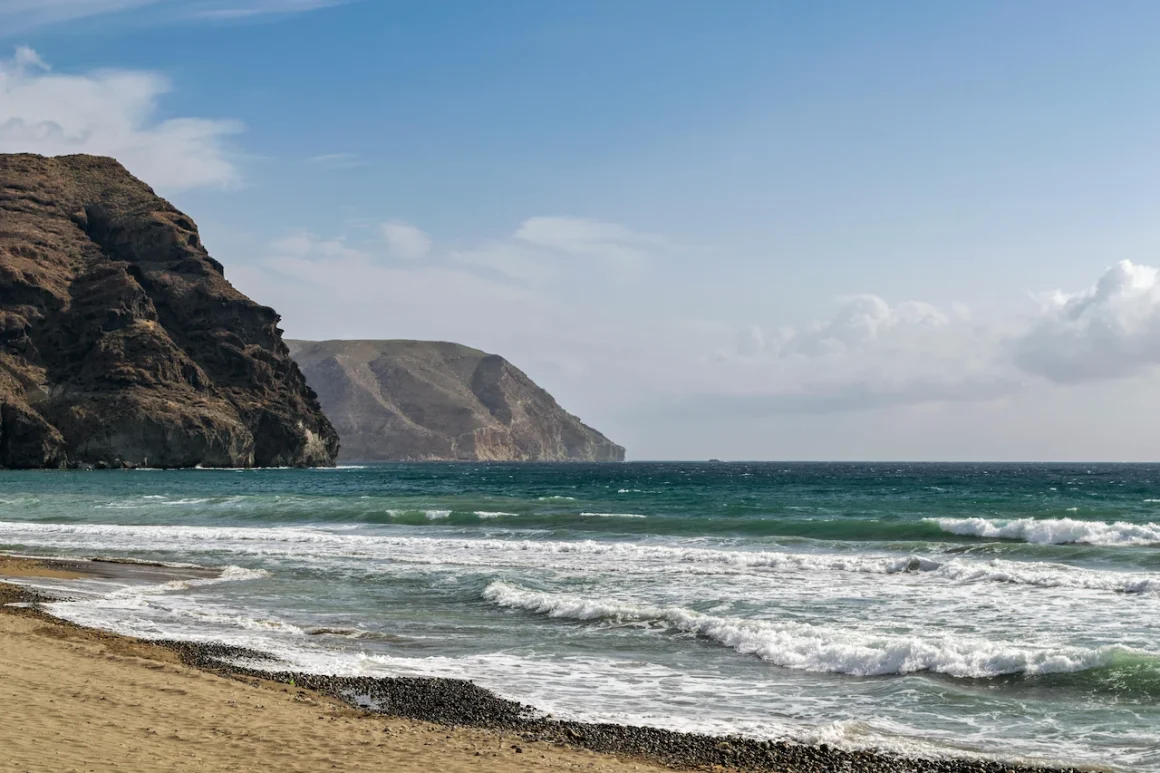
<point>738,229</point>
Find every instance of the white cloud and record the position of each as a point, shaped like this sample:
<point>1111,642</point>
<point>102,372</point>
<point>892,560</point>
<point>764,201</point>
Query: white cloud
<point>26,59</point>
<point>1110,330</point>
<point>303,245</point>
<point>868,354</point>
<point>618,247</point>
<point>865,320</point>
<point>111,113</point>
<point>405,240</point>
<point>872,354</point>
<point>543,248</point>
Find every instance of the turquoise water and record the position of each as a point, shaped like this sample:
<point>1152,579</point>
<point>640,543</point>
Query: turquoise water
<point>1011,610</point>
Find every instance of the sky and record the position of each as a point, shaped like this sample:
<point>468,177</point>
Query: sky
<point>738,230</point>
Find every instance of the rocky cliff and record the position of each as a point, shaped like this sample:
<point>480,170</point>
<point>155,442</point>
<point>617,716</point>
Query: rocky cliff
<point>121,342</point>
<point>423,400</point>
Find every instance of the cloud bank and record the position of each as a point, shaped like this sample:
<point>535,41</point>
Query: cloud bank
<point>1110,330</point>
<point>541,296</point>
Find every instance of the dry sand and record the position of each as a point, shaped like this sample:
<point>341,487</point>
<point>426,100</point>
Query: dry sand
<point>78,700</point>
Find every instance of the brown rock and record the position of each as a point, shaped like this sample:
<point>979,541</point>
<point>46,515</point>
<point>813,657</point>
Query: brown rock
<point>424,400</point>
<point>122,343</point>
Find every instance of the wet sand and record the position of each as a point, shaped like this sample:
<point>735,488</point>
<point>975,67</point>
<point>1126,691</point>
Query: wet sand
<point>17,566</point>
<point>77,699</point>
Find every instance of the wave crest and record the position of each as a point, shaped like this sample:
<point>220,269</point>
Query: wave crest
<point>1054,531</point>
<point>816,648</point>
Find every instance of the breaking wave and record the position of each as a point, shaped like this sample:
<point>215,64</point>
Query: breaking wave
<point>1055,531</point>
<point>817,648</point>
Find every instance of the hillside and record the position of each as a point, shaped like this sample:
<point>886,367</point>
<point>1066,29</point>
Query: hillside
<point>421,400</point>
<point>122,343</point>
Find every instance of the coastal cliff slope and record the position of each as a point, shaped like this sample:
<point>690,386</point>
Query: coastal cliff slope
<point>427,400</point>
<point>122,343</point>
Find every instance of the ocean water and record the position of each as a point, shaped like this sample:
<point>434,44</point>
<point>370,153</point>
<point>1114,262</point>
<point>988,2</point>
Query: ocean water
<point>1005,610</point>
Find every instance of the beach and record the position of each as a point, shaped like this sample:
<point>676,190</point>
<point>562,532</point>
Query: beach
<point>80,699</point>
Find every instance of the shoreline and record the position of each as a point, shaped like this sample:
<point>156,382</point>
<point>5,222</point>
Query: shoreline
<point>456,705</point>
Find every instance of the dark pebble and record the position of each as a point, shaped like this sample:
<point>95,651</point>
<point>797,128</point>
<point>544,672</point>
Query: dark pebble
<point>455,702</point>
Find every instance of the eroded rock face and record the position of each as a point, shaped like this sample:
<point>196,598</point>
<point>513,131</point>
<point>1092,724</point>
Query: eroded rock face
<point>121,342</point>
<point>423,400</point>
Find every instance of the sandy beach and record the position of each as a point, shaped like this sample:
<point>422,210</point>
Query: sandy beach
<point>80,700</point>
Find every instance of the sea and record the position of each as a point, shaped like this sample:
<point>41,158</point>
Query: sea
<point>1000,610</point>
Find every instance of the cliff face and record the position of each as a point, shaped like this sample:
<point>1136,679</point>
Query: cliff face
<point>421,400</point>
<point>122,342</point>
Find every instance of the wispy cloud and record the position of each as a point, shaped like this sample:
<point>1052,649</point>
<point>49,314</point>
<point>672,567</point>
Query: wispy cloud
<point>337,161</point>
<point>547,245</point>
<point>247,10</point>
<point>18,17</point>
<point>583,237</point>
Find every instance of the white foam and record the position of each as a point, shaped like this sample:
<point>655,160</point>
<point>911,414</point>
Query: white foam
<point>1054,531</point>
<point>612,515</point>
<point>1046,575</point>
<point>584,555</point>
<point>485,514</point>
<point>817,648</point>
<point>556,499</point>
<point>159,611</point>
<point>229,574</point>
<point>430,515</point>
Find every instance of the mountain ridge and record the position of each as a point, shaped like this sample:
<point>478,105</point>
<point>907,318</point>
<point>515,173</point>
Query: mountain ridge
<point>406,400</point>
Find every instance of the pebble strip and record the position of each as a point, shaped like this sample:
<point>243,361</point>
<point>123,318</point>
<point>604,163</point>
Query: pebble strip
<point>456,702</point>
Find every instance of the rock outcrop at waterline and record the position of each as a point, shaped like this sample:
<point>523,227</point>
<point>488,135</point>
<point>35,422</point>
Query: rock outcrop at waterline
<point>425,400</point>
<point>122,343</point>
